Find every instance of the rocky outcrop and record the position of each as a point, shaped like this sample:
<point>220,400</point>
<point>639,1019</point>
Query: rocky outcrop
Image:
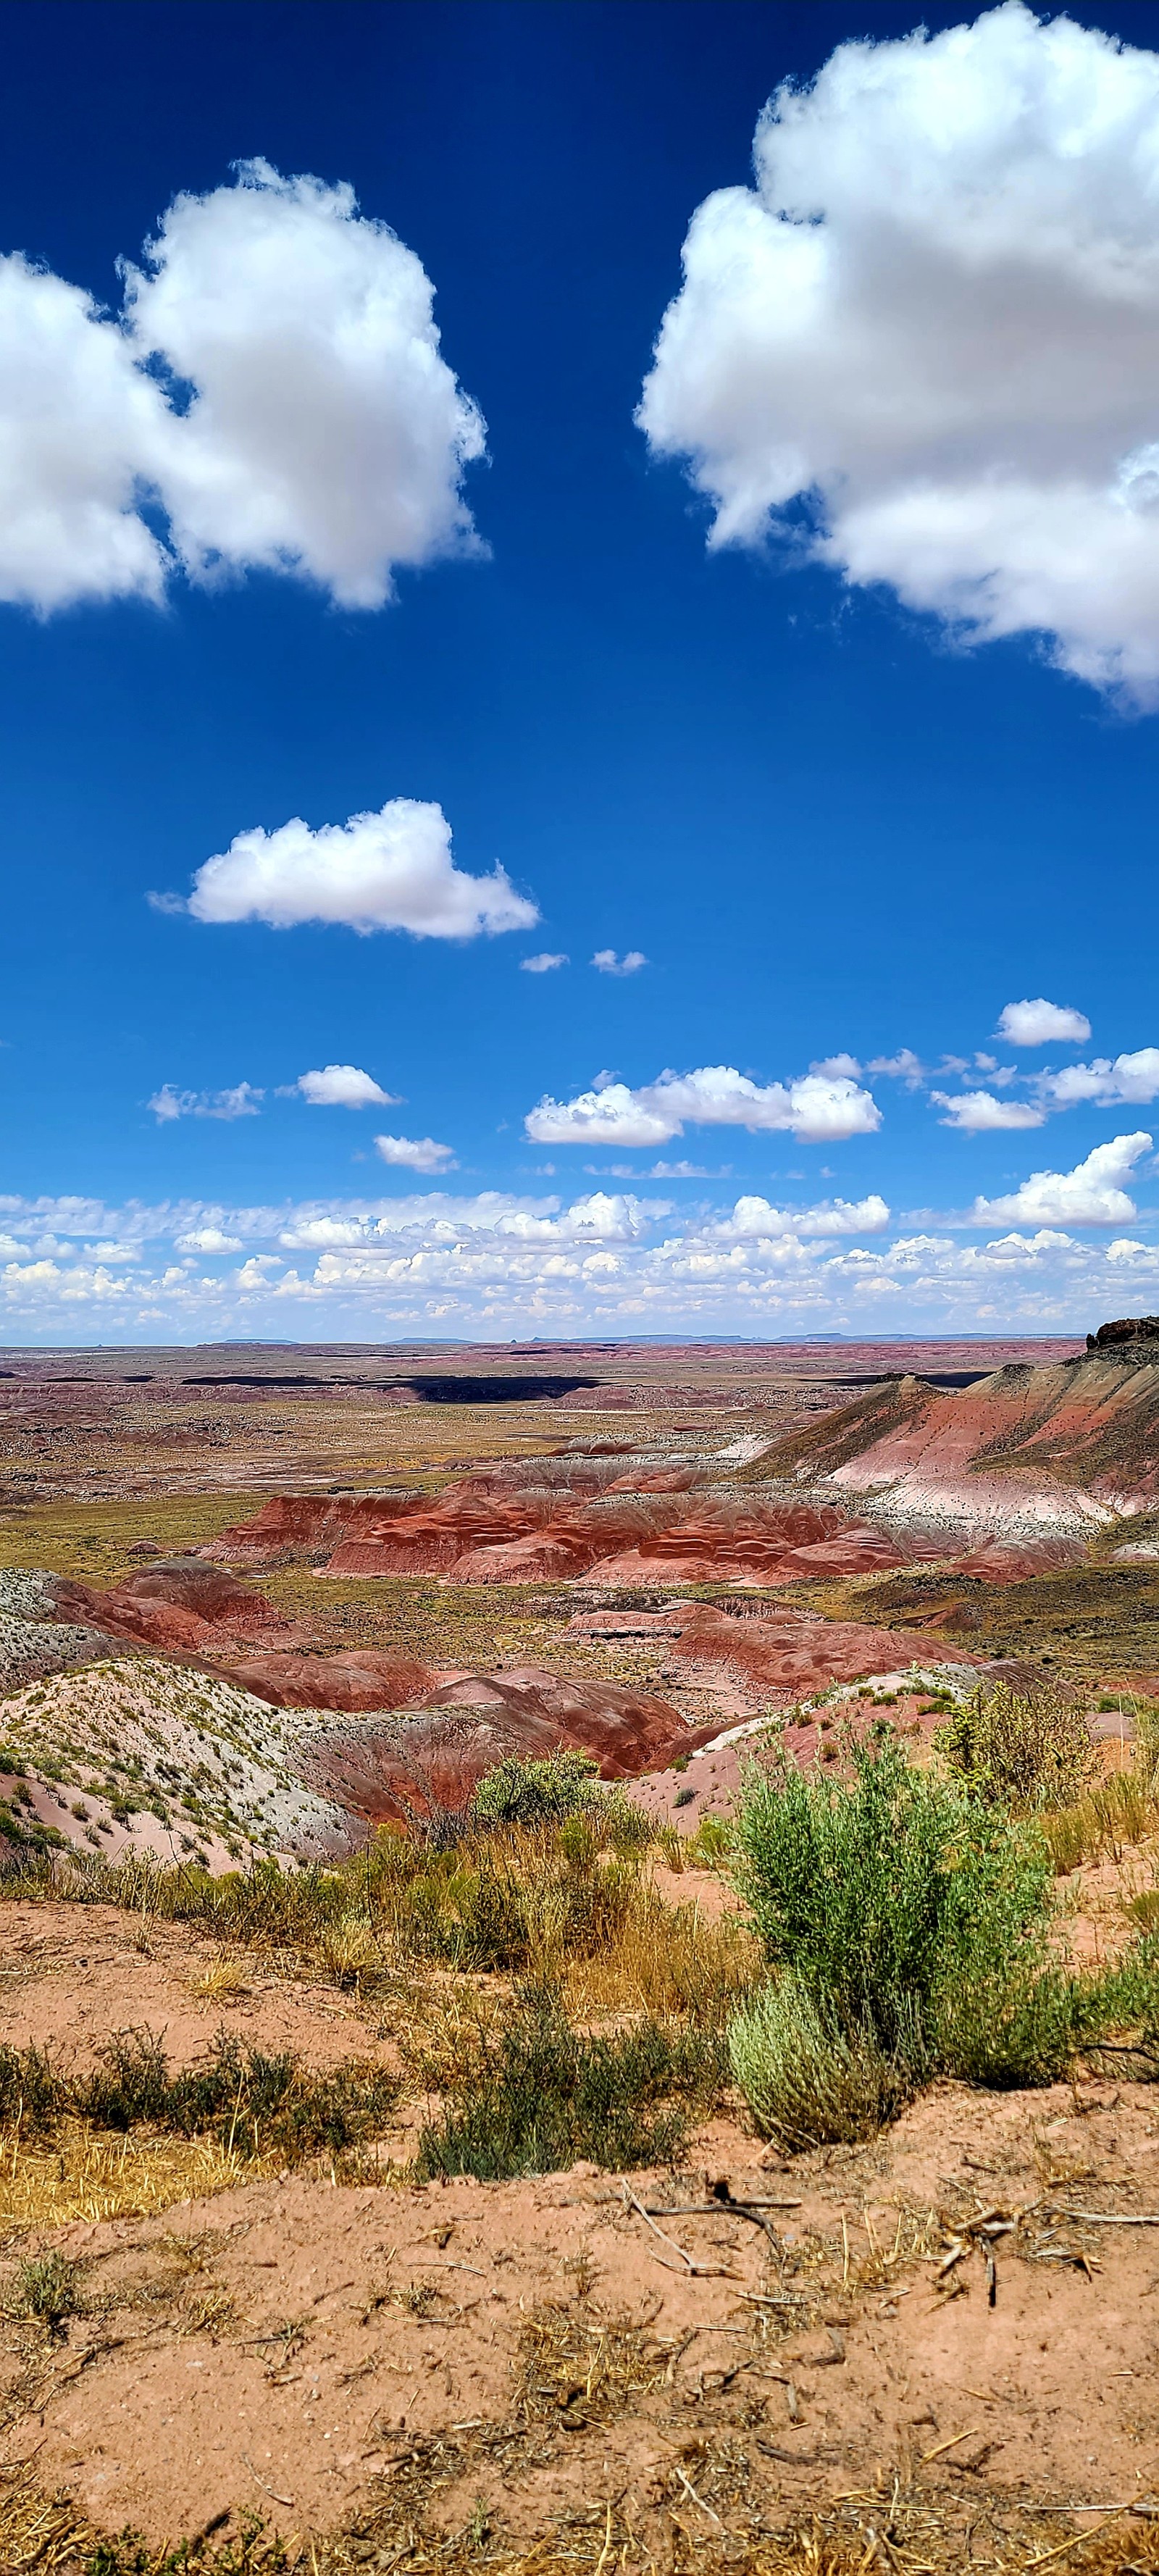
<point>1126,1333</point>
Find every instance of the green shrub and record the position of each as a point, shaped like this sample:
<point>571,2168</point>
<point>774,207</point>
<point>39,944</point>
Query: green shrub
<point>536,2095</point>
<point>1028,1748</point>
<point>250,2101</point>
<point>1012,2028</point>
<point>878,1889</point>
<point>538,1792</point>
<point>32,2094</point>
<point>910,1923</point>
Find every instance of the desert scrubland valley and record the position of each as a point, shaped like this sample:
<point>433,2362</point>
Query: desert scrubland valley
<point>578,1941</point>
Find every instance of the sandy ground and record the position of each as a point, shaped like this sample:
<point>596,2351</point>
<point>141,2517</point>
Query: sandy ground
<point>72,1975</point>
<point>398,2352</point>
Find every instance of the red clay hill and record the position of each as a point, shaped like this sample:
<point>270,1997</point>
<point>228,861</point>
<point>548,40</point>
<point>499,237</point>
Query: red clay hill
<point>591,1522</point>
<point>1056,1450</point>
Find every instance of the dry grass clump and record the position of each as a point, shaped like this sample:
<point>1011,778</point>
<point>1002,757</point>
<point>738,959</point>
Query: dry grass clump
<point>45,2288</point>
<point>219,1980</point>
<point>566,1900</point>
<point>669,1961</point>
<point>1112,1815</point>
<point>87,2174</point>
<point>42,2535</point>
<point>575,2369</point>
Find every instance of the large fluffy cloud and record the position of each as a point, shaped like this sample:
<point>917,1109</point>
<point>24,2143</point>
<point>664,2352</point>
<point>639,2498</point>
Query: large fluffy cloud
<point>755,1219</point>
<point>274,389</point>
<point>930,328</point>
<point>1092,1194</point>
<point>1133,1078</point>
<point>387,871</point>
<point>820,1107</point>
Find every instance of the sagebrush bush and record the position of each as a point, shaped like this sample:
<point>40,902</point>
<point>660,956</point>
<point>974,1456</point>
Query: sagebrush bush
<point>909,1924</point>
<point>1028,1748</point>
<point>879,1887</point>
<point>537,1792</point>
<point>535,2095</point>
<point>807,2080</point>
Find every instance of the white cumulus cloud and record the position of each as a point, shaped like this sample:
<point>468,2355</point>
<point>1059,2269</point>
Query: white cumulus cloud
<point>1092,1194</point>
<point>207,1239</point>
<point>1035,1024</point>
<point>607,962</point>
<point>905,1067</point>
<point>343,1086</point>
<point>315,430</point>
<point>976,1113</point>
<point>387,871</point>
<point>818,1107</point>
<point>1133,1078</point>
<point>754,1218</point>
<point>240,1102</point>
<point>496,1266</point>
<point>932,322</point>
<point>544,964</point>
<point>417,1153</point>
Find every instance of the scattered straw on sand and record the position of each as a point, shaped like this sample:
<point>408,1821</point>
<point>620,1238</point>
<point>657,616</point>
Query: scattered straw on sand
<point>86,2174</point>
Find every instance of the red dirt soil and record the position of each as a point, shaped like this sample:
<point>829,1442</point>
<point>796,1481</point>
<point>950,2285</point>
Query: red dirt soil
<point>348,2327</point>
<point>580,1521</point>
<point>360,1678</point>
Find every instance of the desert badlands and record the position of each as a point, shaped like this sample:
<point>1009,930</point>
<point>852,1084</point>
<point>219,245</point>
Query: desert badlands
<point>400,2163</point>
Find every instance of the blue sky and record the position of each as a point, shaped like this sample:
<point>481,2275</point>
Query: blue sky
<point>829,692</point>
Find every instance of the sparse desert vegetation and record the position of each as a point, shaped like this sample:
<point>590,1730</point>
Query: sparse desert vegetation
<point>681,2062</point>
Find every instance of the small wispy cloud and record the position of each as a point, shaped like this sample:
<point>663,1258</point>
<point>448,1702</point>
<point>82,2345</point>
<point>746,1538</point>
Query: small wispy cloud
<point>240,1102</point>
<point>544,964</point>
<point>905,1067</point>
<point>606,961</point>
<point>978,1113</point>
